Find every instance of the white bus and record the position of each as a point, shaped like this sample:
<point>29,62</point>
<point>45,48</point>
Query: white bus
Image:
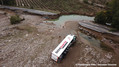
<point>61,50</point>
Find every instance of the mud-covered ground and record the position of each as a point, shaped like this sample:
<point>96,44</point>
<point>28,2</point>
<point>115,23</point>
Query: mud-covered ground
<point>30,43</point>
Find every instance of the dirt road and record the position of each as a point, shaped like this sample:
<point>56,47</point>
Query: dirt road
<point>30,43</point>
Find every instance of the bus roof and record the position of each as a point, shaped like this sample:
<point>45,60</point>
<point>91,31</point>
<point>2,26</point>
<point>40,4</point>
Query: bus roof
<point>63,45</point>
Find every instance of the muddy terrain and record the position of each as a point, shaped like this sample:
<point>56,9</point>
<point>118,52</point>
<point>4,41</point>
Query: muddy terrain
<point>30,43</point>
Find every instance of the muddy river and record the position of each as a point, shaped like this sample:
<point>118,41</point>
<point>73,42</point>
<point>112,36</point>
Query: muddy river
<point>62,19</point>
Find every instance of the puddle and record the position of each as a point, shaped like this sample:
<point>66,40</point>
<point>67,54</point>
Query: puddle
<point>93,41</point>
<point>62,19</point>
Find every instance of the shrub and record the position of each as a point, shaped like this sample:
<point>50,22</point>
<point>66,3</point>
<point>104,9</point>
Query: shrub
<point>109,16</point>
<point>100,18</point>
<point>15,19</point>
<point>103,17</point>
<point>115,20</point>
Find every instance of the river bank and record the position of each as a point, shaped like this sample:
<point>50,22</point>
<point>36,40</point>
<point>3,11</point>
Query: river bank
<point>47,15</point>
<point>109,40</point>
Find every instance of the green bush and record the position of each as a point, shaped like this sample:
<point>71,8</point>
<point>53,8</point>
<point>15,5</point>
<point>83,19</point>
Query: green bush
<point>115,20</point>
<point>103,17</point>
<point>100,17</point>
<point>109,16</point>
<point>15,19</point>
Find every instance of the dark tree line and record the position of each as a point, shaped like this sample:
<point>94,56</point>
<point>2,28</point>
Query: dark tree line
<point>7,2</point>
<point>111,15</point>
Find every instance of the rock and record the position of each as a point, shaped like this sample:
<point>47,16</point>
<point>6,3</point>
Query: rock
<point>9,40</point>
<point>109,55</point>
<point>37,34</point>
<point>26,35</point>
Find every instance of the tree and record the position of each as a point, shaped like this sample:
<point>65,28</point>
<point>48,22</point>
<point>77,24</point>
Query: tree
<point>115,20</point>
<point>114,8</point>
<point>101,17</point>
<point>114,5</point>
<point>111,15</point>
